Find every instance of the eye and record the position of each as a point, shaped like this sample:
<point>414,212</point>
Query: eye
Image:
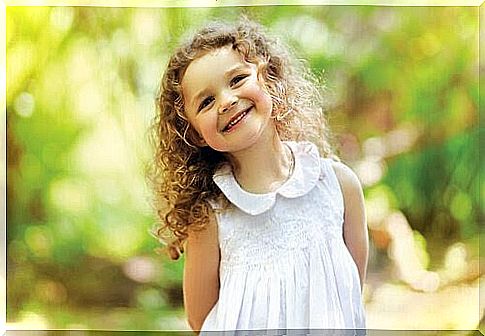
<point>237,79</point>
<point>206,102</point>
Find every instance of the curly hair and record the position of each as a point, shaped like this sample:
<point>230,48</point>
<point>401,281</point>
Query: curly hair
<point>181,173</point>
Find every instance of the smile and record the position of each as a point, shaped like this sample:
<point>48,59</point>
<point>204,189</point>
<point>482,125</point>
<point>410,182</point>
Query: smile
<point>236,119</point>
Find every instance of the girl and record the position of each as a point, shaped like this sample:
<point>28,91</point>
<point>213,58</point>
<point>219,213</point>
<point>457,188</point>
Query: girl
<point>265,222</point>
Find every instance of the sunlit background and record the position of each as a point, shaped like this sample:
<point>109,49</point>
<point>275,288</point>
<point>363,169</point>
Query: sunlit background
<point>402,88</point>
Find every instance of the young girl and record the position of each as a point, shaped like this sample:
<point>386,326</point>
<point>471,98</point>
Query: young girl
<point>266,223</point>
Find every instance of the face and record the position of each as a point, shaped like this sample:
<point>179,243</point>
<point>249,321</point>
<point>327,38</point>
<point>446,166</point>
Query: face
<point>225,102</point>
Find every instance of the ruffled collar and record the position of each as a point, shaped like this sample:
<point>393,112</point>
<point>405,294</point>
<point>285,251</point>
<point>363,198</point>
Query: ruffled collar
<point>305,176</point>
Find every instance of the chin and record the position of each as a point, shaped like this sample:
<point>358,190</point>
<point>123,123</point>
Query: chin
<point>241,139</point>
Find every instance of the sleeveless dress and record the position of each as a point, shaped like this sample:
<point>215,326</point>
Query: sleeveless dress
<point>284,263</point>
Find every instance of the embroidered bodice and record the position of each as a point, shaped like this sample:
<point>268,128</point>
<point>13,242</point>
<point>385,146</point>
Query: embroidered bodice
<point>284,263</point>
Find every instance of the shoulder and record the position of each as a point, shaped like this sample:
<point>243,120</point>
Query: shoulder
<point>348,180</point>
<point>355,223</point>
<point>208,231</point>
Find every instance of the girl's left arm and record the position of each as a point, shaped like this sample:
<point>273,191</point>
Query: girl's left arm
<point>355,224</point>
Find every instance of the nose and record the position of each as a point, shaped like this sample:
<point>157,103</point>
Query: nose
<point>229,101</point>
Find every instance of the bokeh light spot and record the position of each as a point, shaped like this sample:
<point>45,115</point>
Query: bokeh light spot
<point>39,240</point>
<point>140,269</point>
<point>24,104</point>
<point>61,18</point>
<point>461,206</point>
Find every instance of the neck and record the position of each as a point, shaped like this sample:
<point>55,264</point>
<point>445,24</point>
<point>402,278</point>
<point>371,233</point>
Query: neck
<point>264,166</point>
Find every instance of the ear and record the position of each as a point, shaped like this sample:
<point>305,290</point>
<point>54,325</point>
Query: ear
<point>261,70</point>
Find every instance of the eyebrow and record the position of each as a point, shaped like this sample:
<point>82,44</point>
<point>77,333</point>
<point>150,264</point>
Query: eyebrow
<point>234,69</point>
<point>198,96</point>
<point>227,74</point>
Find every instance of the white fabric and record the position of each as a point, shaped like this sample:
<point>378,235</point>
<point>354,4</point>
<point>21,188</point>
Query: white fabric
<point>284,264</point>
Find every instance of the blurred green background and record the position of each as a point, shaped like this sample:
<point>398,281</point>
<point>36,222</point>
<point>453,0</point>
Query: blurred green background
<point>402,88</point>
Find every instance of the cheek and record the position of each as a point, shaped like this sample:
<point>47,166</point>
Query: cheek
<point>261,97</point>
<point>209,132</point>
<point>207,125</point>
<point>267,101</point>
<point>206,133</point>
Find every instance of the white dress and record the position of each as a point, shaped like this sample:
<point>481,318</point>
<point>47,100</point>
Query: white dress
<point>284,263</point>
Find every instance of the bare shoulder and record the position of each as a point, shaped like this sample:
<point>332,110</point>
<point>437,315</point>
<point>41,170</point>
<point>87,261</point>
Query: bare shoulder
<point>349,182</point>
<point>206,236</point>
<point>355,224</point>
<point>202,248</point>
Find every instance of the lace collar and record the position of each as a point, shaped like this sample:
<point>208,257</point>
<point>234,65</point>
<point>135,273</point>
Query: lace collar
<point>305,175</point>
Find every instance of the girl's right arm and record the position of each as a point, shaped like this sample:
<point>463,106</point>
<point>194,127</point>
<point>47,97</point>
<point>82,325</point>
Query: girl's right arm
<point>201,273</point>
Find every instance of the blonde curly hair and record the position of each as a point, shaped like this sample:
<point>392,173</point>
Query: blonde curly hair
<point>181,173</point>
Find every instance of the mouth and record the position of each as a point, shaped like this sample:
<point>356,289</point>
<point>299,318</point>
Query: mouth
<point>236,119</point>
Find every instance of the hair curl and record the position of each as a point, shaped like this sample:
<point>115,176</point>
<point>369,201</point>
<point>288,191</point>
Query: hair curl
<point>181,173</point>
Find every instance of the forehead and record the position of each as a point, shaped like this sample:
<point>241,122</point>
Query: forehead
<point>205,68</point>
<point>218,57</point>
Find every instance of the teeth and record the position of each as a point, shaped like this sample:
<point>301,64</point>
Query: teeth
<point>235,121</point>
